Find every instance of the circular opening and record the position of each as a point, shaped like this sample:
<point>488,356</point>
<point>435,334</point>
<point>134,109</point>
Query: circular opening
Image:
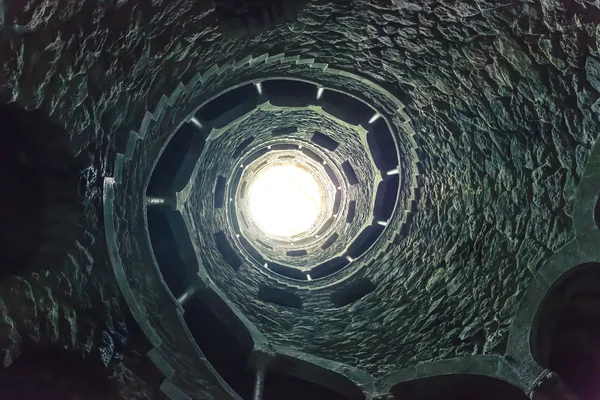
<point>285,200</point>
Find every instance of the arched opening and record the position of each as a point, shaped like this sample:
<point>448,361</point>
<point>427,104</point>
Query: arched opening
<point>458,387</point>
<point>227,251</point>
<point>173,249</point>
<point>225,103</point>
<point>346,107</point>
<point>40,206</point>
<point>279,296</point>
<point>320,139</point>
<point>352,293</point>
<point>288,92</point>
<point>177,161</point>
<point>295,379</point>
<point>568,334</point>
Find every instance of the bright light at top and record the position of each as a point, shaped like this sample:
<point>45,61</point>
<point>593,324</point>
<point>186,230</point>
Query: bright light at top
<point>285,200</point>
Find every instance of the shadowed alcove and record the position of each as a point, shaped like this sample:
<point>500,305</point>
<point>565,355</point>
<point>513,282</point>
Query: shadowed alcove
<point>458,387</point>
<point>40,207</point>
<point>568,337</point>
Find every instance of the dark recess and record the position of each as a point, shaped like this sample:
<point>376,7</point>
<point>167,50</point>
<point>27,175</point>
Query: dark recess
<point>365,240</point>
<point>220,191</point>
<point>40,208</point>
<point>331,175</point>
<point>329,267</point>
<point>177,161</point>
<point>337,202</point>
<point>278,296</point>
<point>190,159</point>
<point>166,252</point>
<point>568,335</point>
<point>242,146</point>
<point>280,101</point>
<point>382,146</point>
<point>346,107</point>
<point>457,387</point>
<point>284,131</point>
<point>251,250</point>
<point>350,173</point>
<point>330,240</point>
<point>227,251</point>
<point>385,198</point>
<point>182,238</point>
<point>296,253</point>
<point>312,155</point>
<point>337,385</point>
<point>289,88</point>
<point>555,303</point>
<point>56,374</point>
<point>234,113</point>
<point>351,211</point>
<point>288,272</point>
<point>255,155</point>
<point>279,386</point>
<point>352,293</point>
<point>324,141</point>
<point>225,102</point>
<point>221,348</point>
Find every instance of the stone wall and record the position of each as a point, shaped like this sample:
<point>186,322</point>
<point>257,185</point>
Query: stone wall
<point>503,98</point>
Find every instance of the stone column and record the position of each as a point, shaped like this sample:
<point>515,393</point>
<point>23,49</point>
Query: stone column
<point>259,382</point>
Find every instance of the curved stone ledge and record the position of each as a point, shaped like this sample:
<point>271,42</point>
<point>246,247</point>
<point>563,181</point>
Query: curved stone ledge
<point>160,353</point>
<point>115,261</point>
<point>130,158</point>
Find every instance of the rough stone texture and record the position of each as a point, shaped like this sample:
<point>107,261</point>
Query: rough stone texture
<point>503,98</point>
<point>504,132</point>
<point>210,221</point>
<point>60,300</point>
<point>41,211</point>
<point>49,311</point>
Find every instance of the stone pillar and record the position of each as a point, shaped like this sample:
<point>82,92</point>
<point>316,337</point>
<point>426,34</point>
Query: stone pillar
<point>259,382</point>
<point>259,362</point>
